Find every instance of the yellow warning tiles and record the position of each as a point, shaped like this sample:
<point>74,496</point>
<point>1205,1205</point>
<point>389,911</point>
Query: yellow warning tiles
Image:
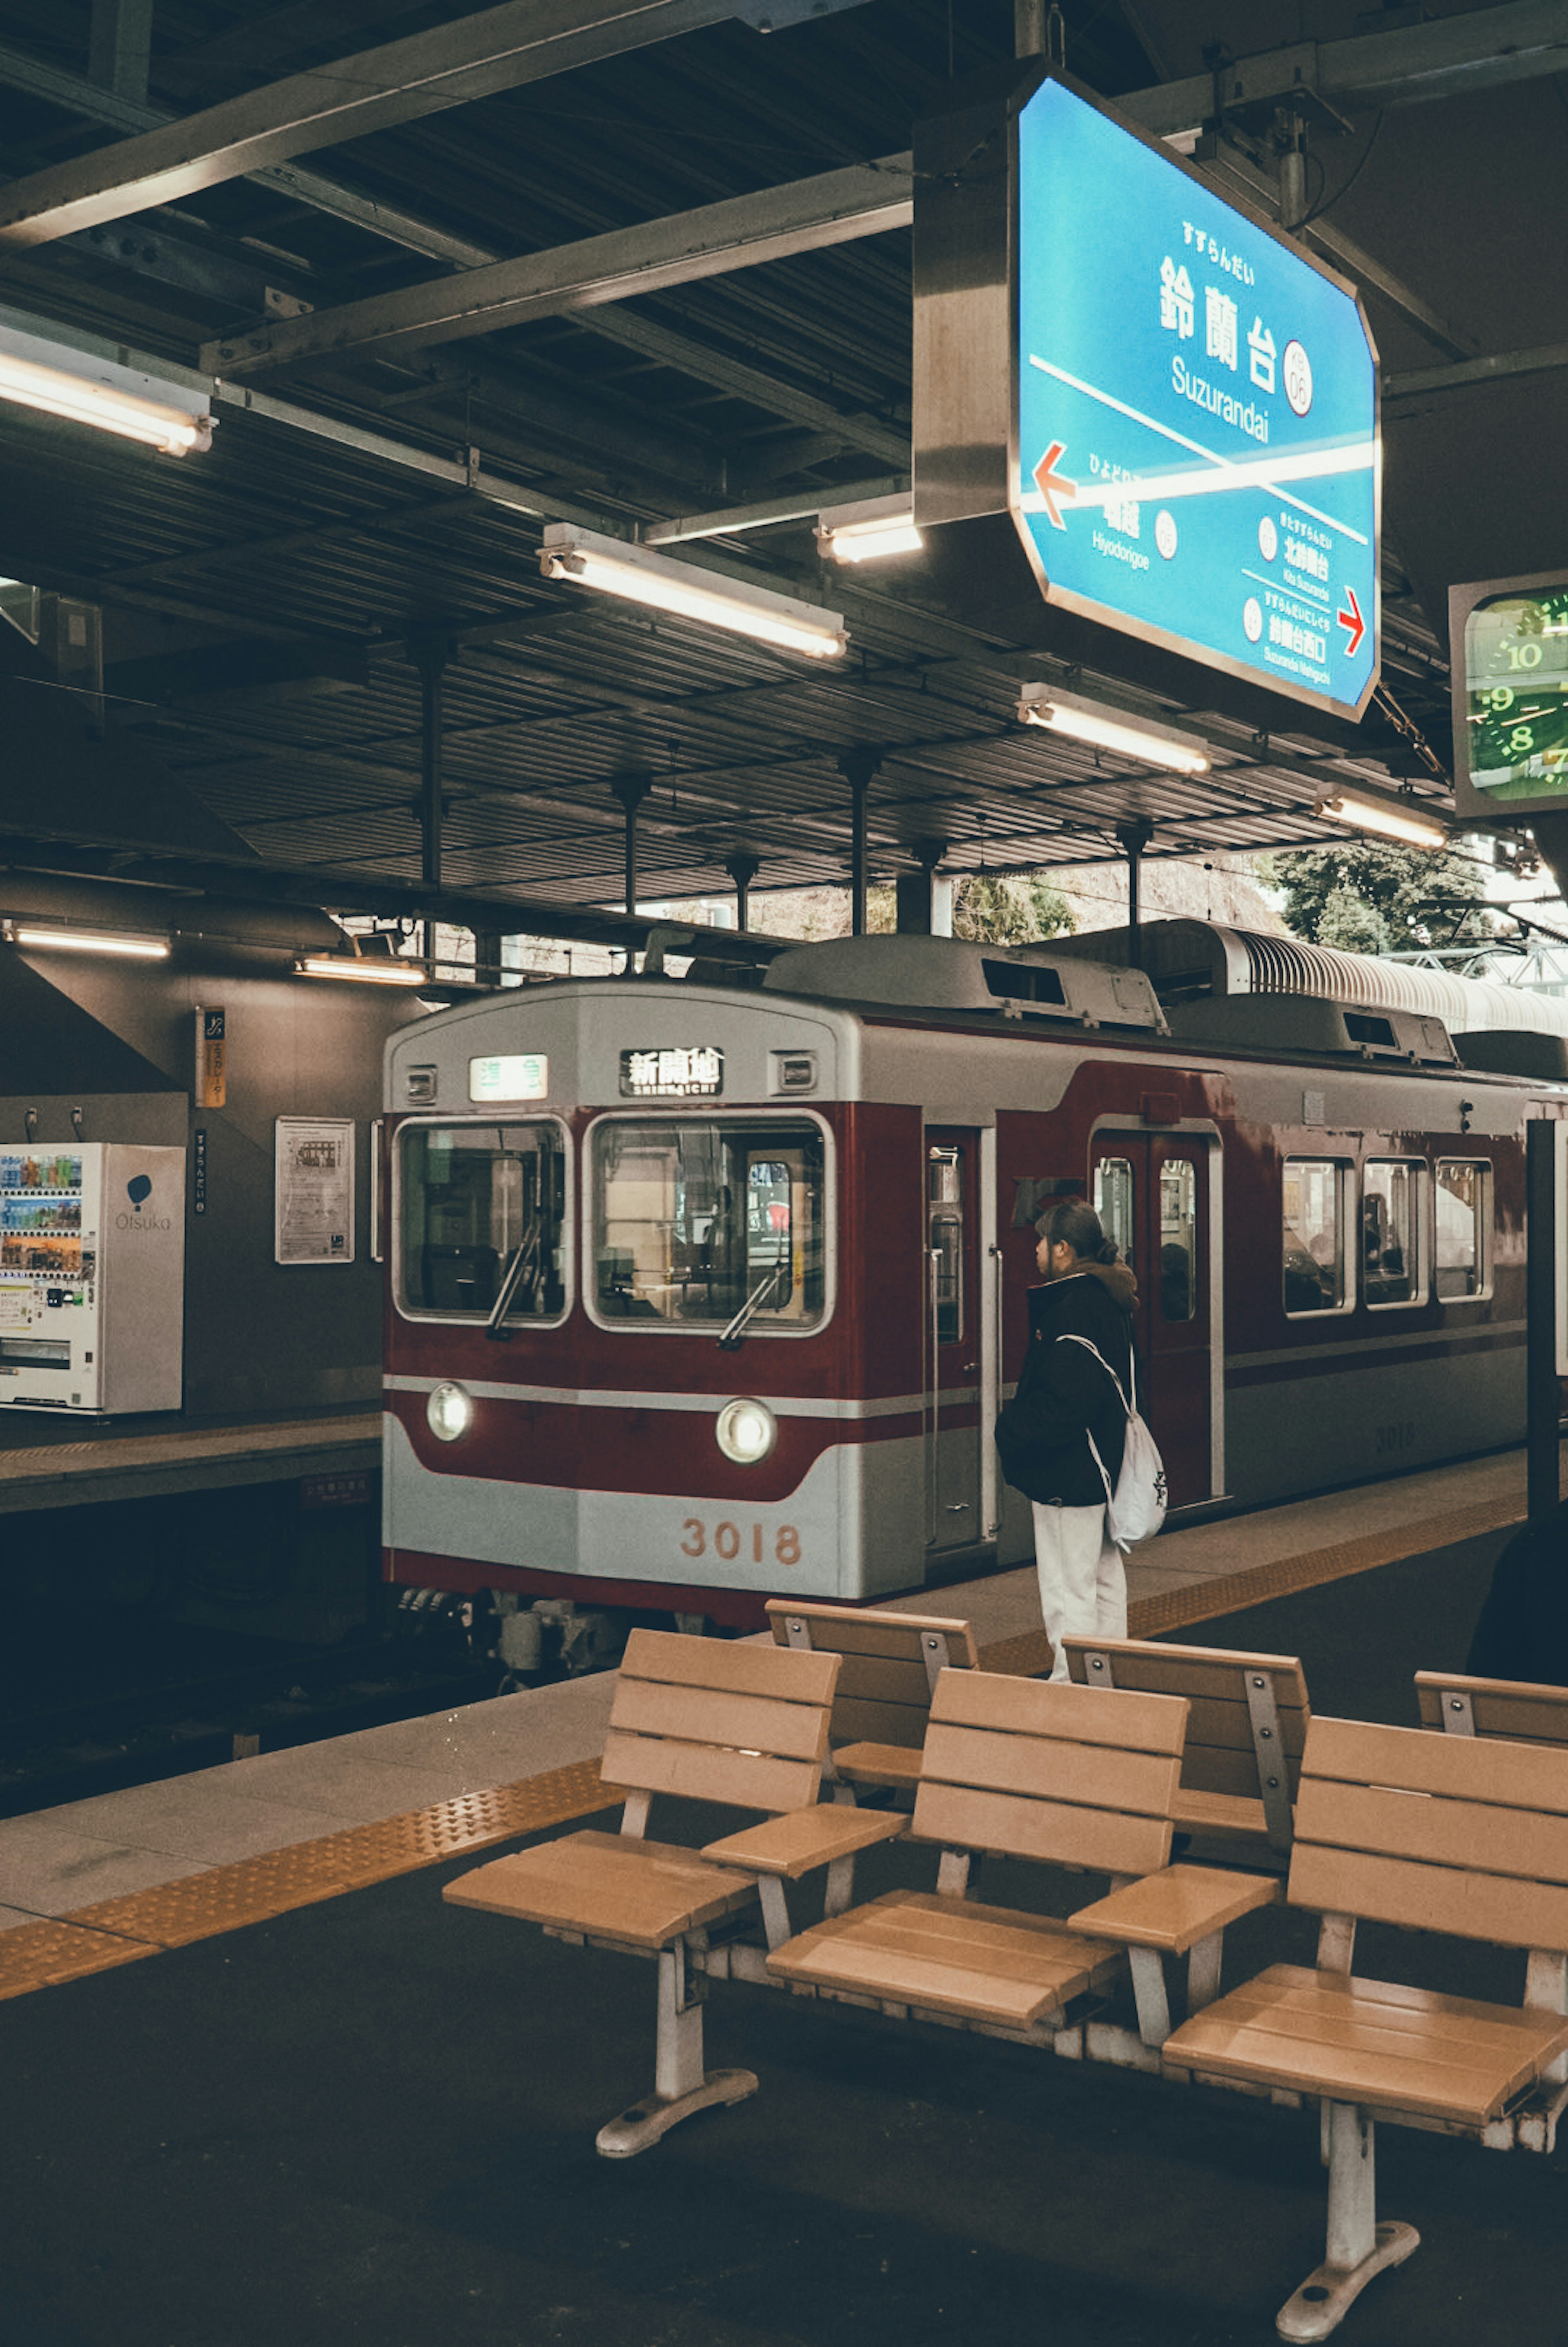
<point>222,1898</point>
<point>38,1955</point>
<point>1203,1601</point>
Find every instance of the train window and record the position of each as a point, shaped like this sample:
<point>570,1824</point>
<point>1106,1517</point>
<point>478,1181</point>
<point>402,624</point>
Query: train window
<point>1463,1197</point>
<point>944,1223</point>
<point>482,1221</point>
<point>1392,1232</point>
<point>697,1221</point>
<point>1114,1202</point>
<point>1178,1240</point>
<point>1313,1236</point>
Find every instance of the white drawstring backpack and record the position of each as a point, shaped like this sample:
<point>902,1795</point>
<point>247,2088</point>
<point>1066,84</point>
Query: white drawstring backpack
<point>1136,1509</point>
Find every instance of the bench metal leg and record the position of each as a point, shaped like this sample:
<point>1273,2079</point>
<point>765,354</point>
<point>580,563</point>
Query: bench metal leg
<point>681,2085</point>
<point>1358,2247</point>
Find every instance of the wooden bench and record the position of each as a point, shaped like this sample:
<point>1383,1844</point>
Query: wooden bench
<point>1516,1708</point>
<point>1026,1769</point>
<point>713,1720</point>
<point>1245,1728</point>
<point>890,1665</point>
<point>1452,1834</point>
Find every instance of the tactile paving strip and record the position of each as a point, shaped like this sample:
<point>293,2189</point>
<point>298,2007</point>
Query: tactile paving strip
<point>222,1898</point>
<point>1029,1656</point>
<point>36,1955</point>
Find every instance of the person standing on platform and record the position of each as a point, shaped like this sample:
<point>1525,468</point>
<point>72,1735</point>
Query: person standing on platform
<point>1064,1398</point>
<point>1522,1632</point>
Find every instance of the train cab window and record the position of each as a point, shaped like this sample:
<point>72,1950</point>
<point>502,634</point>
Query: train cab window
<point>1462,1196</point>
<point>1392,1232</point>
<point>699,1220</point>
<point>482,1221</point>
<point>1114,1203</point>
<point>1313,1236</point>
<point>1178,1240</point>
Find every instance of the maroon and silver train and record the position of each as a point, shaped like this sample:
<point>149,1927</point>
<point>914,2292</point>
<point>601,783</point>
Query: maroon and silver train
<point>704,1294</point>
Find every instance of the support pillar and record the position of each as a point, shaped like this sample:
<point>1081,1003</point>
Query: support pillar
<point>857,766</point>
<point>743,870</point>
<point>631,789</point>
<point>430,657</point>
<point>1542,1393</point>
<point>120,47</point>
<point>1135,835</point>
<point>914,891</point>
<point>487,965</point>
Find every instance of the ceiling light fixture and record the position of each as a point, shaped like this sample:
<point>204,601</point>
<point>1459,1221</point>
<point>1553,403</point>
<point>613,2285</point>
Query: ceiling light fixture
<point>23,933</point>
<point>367,973</point>
<point>1107,729</point>
<point>583,559</point>
<point>89,388</point>
<point>1412,830</point>
<point>863,532</point>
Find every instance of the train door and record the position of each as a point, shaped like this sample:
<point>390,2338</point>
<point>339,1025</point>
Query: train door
<point>1151,1191</point>
<point>953,1343</point>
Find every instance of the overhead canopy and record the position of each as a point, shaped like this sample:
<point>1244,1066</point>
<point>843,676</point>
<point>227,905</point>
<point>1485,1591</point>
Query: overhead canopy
<point>652,275</point>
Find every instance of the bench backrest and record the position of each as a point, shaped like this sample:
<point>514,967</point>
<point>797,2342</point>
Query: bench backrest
<point>1249,1720</point>
<point>1439,1833</point>
<point>890,1663</point>
<point>1028,1770</point>
<point>1517,1709</point>
<point>719,1720</point>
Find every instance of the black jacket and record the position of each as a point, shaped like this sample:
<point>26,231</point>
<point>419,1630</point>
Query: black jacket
<point>1063,1395</point>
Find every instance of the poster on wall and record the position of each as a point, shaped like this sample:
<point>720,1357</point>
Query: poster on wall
<point>314,1190</point>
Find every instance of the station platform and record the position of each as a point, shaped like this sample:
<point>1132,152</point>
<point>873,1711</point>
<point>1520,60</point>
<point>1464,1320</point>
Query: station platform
<point>368,2115</point>
<point>68,1463</point>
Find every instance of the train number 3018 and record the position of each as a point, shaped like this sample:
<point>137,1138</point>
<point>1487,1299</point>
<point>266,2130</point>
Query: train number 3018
<point>728,1540</point>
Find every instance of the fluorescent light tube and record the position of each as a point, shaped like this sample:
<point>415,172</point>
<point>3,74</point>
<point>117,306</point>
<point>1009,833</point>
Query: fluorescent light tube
<point>584,559</point>
<point>1129,737</point>
<point>85,941</point>
<point>863,532</point>
<point>1412,830</point>
<point>367,973</point>
<point>60,381</point>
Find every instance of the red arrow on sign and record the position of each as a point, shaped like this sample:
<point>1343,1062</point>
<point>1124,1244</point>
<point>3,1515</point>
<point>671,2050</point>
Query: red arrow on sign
<point>1355,627</point>
<point>1050,485</point>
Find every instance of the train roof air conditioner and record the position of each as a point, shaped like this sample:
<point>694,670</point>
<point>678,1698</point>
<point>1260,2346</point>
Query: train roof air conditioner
<point>920,973</point>
<point>1292,1025</point>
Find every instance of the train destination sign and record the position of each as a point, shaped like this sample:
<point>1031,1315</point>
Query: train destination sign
<point>678,1072</point>
<point>1510,729</point>
<point>1196,459</point>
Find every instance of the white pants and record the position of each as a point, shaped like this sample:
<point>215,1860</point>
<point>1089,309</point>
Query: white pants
<point>1083,1581</point>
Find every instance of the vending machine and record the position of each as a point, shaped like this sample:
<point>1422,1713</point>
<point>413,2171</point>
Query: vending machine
<point>92,1277</point>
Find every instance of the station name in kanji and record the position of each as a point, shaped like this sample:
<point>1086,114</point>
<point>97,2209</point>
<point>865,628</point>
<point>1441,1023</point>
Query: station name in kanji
<point>1222,318</point>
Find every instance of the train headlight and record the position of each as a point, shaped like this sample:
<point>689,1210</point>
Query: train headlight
<point>450,1411</point>
<point>747,1431</point>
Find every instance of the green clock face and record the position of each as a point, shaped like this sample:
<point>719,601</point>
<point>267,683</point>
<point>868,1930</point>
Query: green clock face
<point>1516,696</point>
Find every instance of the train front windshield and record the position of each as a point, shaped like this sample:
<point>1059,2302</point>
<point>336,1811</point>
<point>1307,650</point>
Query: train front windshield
<point>483,1213</point>
<point>694,1221</point>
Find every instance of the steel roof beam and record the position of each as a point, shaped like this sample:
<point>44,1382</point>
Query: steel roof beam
<point>500,48</point>
<point>1483,49</point>
<point>740,231</point>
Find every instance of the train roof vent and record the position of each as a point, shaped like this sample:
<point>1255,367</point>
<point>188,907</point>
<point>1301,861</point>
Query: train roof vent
<point>1506,1051</point>
<point>1307,1024</point>
<point>915,973</point>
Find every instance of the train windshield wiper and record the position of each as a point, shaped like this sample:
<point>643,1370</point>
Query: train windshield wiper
<point>734,1334</point>
<point>527,1253</point>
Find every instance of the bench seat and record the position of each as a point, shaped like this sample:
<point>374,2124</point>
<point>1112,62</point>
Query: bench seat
<point>638,1893</point>
<point>950,1955</point>
<point>895,1768</point>
<point>1378,2044</point>
<point>1232,1815</point>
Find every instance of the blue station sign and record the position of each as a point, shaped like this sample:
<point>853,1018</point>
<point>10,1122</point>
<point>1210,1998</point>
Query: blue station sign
<point>1196,459</point>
